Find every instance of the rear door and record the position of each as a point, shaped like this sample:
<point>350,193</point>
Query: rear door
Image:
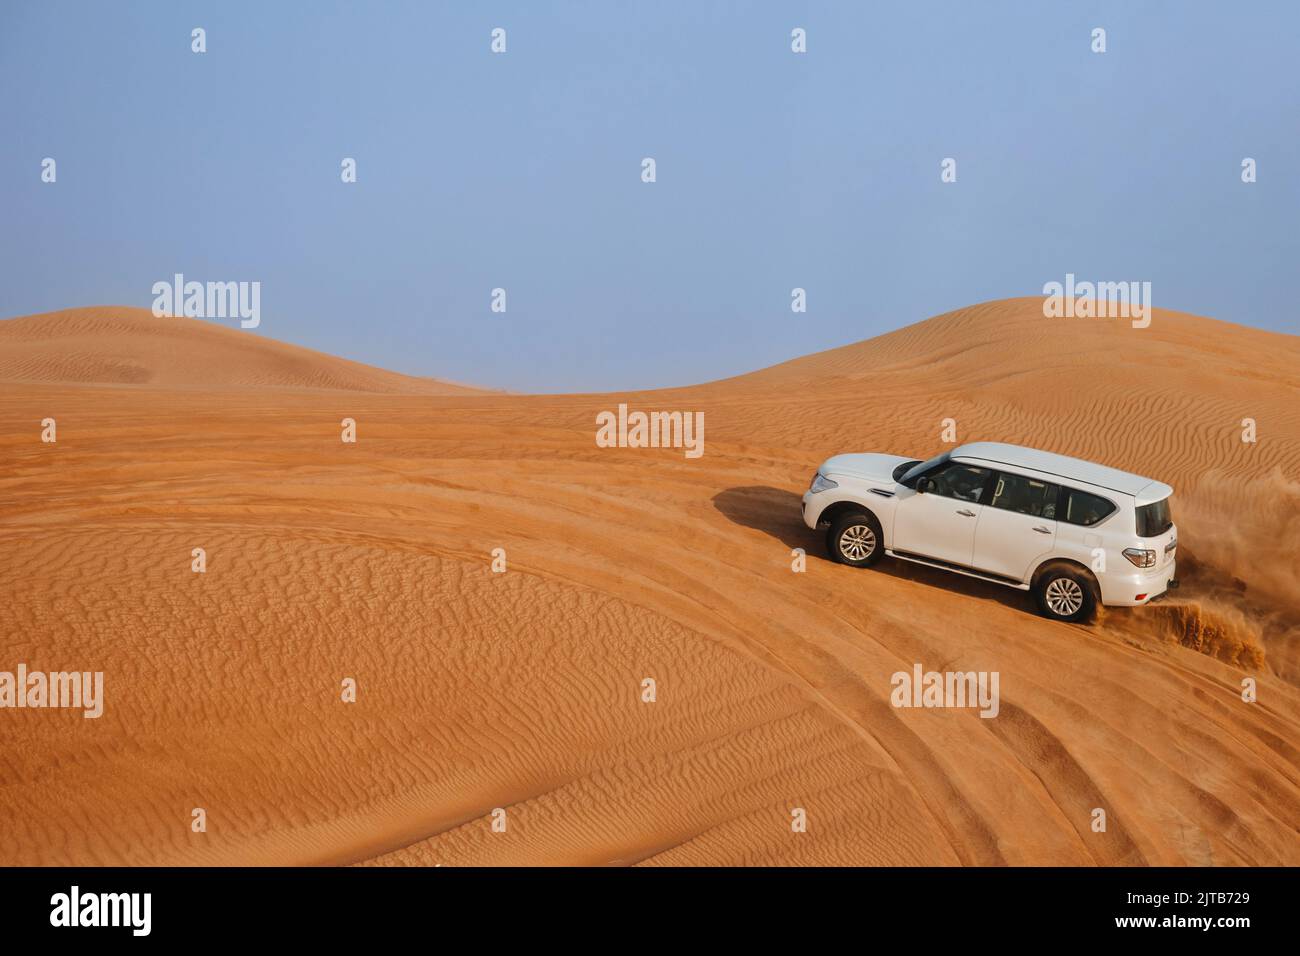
<point>1155,525</point>
<point>1018,527</point>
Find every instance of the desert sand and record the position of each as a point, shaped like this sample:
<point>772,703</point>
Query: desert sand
<point>522,690</point>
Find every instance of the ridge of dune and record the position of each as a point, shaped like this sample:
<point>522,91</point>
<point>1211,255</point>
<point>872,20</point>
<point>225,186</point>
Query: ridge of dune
<point>120,345</point>
<point>522,691</point>
<point>973,342</point>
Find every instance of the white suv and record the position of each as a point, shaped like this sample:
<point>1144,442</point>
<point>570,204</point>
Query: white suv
<point>1075,533</point>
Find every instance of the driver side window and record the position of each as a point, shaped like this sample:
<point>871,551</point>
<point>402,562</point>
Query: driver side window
<point>963,482</point>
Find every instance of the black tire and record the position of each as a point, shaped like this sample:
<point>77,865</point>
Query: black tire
<point>855,539</point>
<point>1065,593</point>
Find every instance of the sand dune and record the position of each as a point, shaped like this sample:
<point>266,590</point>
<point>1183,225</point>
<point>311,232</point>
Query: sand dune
<point>522,690</point>
<point>116,345</point>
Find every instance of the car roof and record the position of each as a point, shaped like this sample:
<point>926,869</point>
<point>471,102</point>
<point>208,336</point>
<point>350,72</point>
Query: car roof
<point>998,453</point>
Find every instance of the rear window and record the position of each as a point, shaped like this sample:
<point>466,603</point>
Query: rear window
<point>1083,508</point>
<point>1154,519</point>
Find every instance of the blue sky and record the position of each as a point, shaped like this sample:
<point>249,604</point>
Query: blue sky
<point>522,170</point>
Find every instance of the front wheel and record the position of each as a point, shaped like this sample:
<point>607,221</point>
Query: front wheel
<point>856,540</point>
<point>1065,594</point>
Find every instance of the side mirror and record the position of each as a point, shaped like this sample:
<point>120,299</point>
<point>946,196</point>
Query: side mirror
<point>923,485</point>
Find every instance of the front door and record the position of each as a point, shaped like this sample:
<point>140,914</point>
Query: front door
<point>941,523</point>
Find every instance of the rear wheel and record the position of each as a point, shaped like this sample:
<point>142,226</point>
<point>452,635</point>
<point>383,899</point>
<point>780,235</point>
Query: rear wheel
<point>1065,593</point>
<point>855,539</point>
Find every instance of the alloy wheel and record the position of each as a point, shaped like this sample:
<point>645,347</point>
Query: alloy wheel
<point>1064,596</point>
<point>857,542</point>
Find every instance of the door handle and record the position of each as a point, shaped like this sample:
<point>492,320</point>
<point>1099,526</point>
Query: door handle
<point>968,514</point>
<point>1042,530</point>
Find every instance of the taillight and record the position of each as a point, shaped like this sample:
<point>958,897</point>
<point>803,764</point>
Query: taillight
<point>1140,558</point>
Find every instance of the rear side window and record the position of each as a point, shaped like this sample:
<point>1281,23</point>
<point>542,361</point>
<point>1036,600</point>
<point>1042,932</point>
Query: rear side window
<point>1154,519</point>
<point>1025,495</point>
<point>1079,507</point>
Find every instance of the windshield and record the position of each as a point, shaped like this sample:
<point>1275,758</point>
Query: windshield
<point>903,467</point>
<point>1154,519</point>
<point>923,467</point>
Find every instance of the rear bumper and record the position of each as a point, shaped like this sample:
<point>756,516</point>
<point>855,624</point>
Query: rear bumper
<point>1123,590</point>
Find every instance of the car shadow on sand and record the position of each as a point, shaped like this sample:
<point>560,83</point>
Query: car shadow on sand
<point>777,512</point>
